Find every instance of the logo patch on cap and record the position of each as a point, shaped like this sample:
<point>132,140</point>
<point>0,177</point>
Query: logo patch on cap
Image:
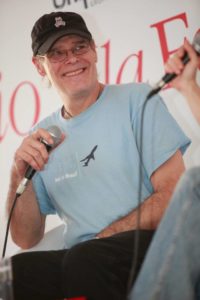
<point>59,22</point>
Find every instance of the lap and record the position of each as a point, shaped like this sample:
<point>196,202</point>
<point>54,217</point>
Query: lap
<point>52,274</point>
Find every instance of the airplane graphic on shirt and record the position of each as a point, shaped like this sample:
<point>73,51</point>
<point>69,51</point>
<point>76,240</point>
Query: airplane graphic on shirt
<point>89,157</point>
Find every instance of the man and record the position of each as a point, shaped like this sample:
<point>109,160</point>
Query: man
<point>171,270</point>
<point>92,179</point>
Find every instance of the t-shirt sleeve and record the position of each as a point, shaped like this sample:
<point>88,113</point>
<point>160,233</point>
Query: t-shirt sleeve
<point>158,135</point>
<point>46,207</point>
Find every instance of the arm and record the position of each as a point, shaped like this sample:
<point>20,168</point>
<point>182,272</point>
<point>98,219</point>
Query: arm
<point>27,223</point>
<point>164,180</point>
<point>186,82</point>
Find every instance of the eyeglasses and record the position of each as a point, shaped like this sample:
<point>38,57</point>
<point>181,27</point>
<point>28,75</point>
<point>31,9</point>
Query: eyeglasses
<point>57,55</point>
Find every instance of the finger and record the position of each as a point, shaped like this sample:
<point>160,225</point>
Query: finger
<point>191,53</point>
<point>175,62</point>
<point>176,65</point>
<point>35,139</point>
<point>29,156</point>
<point>38,150</point>
<point>32,152</point>
<point>20,165</point>
<point>180,52</point>
<point>34,148</point>
<point>35,158</point>
<point>41,133</point>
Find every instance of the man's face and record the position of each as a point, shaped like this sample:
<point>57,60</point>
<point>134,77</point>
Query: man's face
<point>70,65</point>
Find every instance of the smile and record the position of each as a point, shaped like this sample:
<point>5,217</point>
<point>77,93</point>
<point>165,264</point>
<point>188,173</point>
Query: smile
<point>74,73</point>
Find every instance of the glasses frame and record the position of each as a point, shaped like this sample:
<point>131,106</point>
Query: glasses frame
<point>76,50</point>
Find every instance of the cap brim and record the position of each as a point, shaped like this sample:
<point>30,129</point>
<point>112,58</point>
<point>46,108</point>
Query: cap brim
<point>44,48</point>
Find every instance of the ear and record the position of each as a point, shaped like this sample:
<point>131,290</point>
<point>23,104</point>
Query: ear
<point>39,66</point>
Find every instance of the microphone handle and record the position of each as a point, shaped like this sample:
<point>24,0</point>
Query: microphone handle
<point>170,76</point>
<point>166,78</point>
<point>29,173</point>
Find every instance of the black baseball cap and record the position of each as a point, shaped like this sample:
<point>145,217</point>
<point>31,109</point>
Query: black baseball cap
<point>50,27</point>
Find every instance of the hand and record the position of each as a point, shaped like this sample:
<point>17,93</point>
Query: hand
<point>32,152</point>
<point>186,74</point>
<point>120,225</point>
<point>108,231</point>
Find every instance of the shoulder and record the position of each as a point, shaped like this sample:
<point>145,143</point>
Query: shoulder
<point>129,87</point>
<point>130,92</point>
<point>133,96</point>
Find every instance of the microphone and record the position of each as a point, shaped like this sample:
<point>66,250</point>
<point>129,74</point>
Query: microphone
<point>56,134</point>
<point>170,76</point>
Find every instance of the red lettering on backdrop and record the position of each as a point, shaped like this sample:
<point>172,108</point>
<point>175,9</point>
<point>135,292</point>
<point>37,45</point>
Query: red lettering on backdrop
<point>160,26</point>
<point>138,74</point>
<point>2,135</point>
<point>12,106</point>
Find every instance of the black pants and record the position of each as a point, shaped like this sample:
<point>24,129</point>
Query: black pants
<point>98,269</point>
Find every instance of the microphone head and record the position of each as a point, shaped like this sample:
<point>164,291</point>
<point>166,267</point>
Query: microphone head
<point>196,43</point>
<point>56,135</point>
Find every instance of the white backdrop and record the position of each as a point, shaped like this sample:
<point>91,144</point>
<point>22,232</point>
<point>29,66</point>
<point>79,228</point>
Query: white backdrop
<point>133,39</point>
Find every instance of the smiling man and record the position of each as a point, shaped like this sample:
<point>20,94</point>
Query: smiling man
<point>92,178</point>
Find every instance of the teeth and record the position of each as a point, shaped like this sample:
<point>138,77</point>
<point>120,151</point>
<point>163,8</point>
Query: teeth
<point>73,73</point>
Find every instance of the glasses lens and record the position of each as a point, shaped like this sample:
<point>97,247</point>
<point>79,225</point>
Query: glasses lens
<point>80,48</point>
<point>57,55</point>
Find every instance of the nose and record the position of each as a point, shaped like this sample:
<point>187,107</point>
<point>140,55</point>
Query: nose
<point>71,58</point>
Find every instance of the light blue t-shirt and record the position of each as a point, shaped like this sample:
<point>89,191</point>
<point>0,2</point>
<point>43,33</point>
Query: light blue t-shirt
<point>92,178</point>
